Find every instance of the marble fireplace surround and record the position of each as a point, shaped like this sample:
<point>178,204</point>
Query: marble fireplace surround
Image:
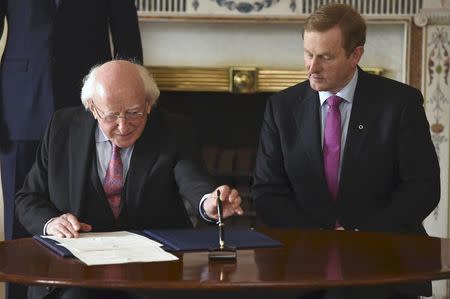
<point>273,44</point>
<point>266,33</point>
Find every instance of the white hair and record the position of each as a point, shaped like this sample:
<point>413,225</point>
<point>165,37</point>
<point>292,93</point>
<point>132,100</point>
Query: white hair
<point>90,82</point>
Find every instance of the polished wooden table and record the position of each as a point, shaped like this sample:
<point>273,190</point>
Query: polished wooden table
<point>307,260</point>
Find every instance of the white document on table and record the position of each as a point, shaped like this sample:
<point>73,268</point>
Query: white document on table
<point>114,248</point>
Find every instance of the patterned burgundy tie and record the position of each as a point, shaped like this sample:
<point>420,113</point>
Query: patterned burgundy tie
<point>332,145</point>
<point>114,181</point>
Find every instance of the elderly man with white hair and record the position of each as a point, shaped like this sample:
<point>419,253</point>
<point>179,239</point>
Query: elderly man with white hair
<point>121,163</point>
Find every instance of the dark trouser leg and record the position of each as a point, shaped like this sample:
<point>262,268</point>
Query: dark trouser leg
<point>15,165</point>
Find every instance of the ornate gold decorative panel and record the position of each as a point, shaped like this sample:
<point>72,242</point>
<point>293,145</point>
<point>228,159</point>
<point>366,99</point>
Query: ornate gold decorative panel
<point>232,79</point>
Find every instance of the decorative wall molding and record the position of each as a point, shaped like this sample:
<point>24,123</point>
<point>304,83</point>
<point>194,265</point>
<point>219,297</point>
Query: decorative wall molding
<point>437,94</point>
<point>437,106</point>
<point>432,16</point>
<point>371,7</point>
<point>246,6</point>
<point>149,9</point>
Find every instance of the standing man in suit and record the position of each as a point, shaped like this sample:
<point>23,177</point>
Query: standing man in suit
<point>73,185</point>
<point>345,149</point>
<point>51,45</point>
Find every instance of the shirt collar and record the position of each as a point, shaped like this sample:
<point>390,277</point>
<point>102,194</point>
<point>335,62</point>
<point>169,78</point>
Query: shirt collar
<point>100,135</point>
<point>347,93</point>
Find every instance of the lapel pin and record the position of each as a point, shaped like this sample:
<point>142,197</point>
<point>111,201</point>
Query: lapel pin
<point>360,127</point>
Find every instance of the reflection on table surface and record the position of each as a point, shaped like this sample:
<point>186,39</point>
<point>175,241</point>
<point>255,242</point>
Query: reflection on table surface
<point>307,259</point>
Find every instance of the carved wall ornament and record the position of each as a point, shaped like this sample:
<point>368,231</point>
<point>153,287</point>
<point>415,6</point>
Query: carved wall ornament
<point>246,6</point>
<point>285,8</point>
<point>445,3</point>
<point>438,61</point>
<point>427,16</point>
<point>438,99</point>
<point>195,4</point>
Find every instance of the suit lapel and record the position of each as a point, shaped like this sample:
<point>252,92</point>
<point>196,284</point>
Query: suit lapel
<point>144,156</point>
<point>359,124</point>
<point>306,115</point>
<point>94,177</point>
<point>81,146</point>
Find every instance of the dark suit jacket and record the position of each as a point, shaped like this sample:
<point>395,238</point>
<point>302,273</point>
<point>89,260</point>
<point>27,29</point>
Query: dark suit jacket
<point>49,49</point>
<point>164,166</point>
<point>390,173</point>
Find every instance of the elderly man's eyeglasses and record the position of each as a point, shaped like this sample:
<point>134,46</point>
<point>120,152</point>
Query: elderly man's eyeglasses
<point>113,117</point>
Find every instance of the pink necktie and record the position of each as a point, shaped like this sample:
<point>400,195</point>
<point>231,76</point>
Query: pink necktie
<point>332,145</point>
<point>114,181</point>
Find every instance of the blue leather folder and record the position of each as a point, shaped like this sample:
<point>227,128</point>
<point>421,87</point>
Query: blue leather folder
<point>53,246</point>
<point>188,239</point>
<point>208,238</point>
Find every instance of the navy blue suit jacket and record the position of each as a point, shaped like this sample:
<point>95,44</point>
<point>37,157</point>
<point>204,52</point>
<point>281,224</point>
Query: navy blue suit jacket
<point>50,48</point>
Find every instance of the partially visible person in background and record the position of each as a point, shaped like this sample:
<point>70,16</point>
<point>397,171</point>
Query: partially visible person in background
<point>50,47</point>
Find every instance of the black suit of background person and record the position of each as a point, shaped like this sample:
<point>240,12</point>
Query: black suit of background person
<point>389,177</point>
<point>50,47</point>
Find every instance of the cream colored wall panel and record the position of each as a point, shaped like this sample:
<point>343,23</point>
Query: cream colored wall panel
<point>267,45</point>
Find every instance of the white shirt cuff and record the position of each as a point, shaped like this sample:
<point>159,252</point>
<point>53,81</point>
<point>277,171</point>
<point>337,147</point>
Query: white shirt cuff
<point>44,231</point>
<point>202,212</point>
